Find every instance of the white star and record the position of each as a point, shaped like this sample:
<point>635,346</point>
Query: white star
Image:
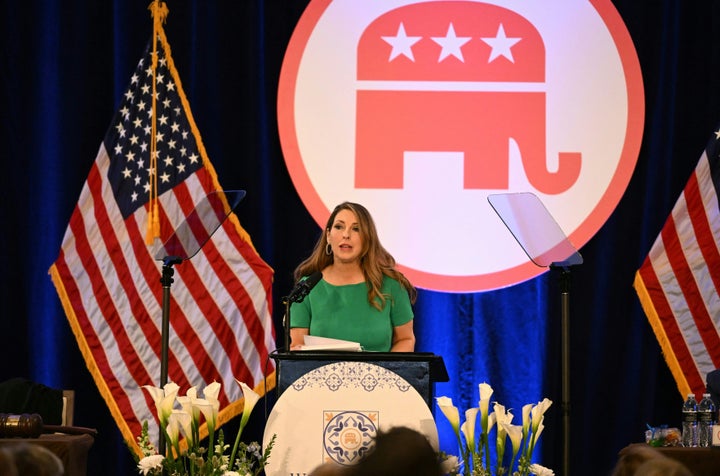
<point>168,161</point>
<point>451,44</point>
<point>501,45</point>
<point>401,43</point>
<point>181,168</point>
<point>126,173</point>
<point>193,158</point>
<point>165,178</point>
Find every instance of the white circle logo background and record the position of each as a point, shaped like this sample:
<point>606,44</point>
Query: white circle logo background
<point>445,236</point>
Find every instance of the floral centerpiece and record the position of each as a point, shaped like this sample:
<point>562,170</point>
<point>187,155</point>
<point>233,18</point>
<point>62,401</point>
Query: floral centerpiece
<point>189,457</point>
<point>474,453</point>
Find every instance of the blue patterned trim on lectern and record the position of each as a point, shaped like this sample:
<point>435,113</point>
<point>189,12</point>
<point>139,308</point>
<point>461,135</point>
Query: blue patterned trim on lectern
<point>351,375</point>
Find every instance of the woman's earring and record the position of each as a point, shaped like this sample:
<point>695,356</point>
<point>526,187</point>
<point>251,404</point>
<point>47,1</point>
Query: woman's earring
<point>328,249</point>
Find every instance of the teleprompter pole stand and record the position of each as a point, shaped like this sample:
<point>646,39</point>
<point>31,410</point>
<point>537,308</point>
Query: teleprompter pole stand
<point>565,357</point>
<point>166,280</point>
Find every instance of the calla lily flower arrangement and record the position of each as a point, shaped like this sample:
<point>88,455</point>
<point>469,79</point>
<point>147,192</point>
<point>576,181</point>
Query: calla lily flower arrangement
<point>191,458</point>
<point>474,453</point>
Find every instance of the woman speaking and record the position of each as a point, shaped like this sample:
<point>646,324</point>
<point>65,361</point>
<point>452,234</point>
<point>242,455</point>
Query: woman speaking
<point>361,296</point>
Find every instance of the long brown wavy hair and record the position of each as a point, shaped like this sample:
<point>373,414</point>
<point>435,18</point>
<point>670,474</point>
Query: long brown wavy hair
<point>375,261</point>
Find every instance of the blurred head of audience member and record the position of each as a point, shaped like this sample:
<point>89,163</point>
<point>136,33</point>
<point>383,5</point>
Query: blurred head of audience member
<point>644,460</point>
<point>399,451</point>
<point>22,459</point>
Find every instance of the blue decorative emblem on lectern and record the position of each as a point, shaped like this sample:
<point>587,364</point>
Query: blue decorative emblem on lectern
<point>349,435</point>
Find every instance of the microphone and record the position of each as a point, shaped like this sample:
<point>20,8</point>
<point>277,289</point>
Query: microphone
<point>303,288</point>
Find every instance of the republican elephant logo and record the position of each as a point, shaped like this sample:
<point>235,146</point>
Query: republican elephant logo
<point>455,76</point>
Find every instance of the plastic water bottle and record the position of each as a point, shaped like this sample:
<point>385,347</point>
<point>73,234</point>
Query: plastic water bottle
<point>689,421</point>
<point>706,418</point>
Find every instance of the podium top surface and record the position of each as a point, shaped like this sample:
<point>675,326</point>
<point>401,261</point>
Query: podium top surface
<point>435,362</point>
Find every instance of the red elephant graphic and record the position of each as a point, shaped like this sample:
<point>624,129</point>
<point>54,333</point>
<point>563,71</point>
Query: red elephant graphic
<point>454,76</point>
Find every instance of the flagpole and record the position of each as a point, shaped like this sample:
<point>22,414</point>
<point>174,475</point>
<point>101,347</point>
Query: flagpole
<point>159,12</point>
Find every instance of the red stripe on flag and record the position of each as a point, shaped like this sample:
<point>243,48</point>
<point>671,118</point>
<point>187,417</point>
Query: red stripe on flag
<point>100,292</point>
<point>685,279</point>
<point>669,324</point>
<point>706,243</point>
<point>243,301</point>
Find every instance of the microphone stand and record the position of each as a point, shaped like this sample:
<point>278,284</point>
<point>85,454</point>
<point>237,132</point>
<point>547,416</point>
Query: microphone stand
<point>286,322</point>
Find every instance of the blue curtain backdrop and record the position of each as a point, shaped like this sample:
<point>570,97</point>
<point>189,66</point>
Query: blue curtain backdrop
<point>63,67</point>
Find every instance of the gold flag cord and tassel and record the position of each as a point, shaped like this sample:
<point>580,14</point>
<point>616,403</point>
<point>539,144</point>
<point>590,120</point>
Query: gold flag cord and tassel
<point>159,13</point>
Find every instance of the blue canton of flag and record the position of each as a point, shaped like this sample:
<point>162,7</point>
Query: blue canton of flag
<point>128,139</point>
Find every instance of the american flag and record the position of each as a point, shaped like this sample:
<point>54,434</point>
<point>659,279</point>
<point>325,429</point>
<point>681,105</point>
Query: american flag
<point>108,278</point>
<point>679,280</point>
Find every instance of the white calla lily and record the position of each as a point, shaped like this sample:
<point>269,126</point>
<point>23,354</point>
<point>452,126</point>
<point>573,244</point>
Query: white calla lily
<point>515,433</point>
<point>538,412</point>
<point>526,409</point>
<point>450,411</point>
<point>477,459</point>
<point>468,428</point>
<point>250,399</point>
<point>486,392</point>
<point>186,453</point>
<point>179,421</point>
<point>164,399</point>
<point>492,418</point>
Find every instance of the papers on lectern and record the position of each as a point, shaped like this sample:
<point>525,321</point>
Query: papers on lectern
<point>326,343</point>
